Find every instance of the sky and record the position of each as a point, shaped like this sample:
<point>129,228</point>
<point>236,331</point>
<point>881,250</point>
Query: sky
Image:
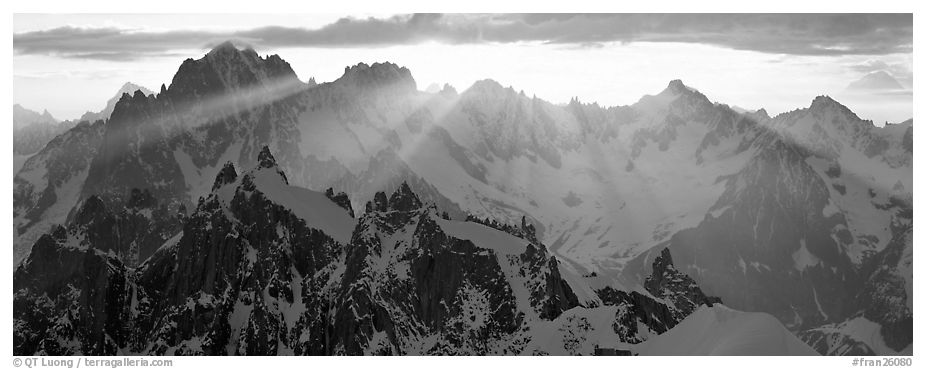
<point>69,64</point>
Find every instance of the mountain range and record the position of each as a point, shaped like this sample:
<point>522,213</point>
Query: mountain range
<point>518,226</point>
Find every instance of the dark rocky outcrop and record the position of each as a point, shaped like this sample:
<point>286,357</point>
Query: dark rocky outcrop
<point>248,276</point>
<point>341,199</point>
<point>71,299</point>
<point>226,175</point>
<point>404,199</point>
<point>682,291</point>
<point>676,296</point>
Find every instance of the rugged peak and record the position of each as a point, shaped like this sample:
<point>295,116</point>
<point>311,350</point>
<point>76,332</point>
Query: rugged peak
<point>92,211</point>
<point>663,261</point>
<point>380,75</point>
<point>131,87</point>
<point>488,85</point>
<point>823,101</point>
<point>822,104</point>
<point>448,90</point>
<point>404,199</point>
<point>489,89</point>
<point>226,175</point>
<point>677,87</point>
<point>228,49</point>
<point>226,68</point>
<point>762,113</point>
<point>128,107</point>
<point>127,88</point>
<point>379,202</point>
<point>265,159</point>
<point>92,205</point>
<point>669,283</point>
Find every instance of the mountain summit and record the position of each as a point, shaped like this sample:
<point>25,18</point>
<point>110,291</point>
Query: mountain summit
<point>127,88</point>
<point>226,69</point>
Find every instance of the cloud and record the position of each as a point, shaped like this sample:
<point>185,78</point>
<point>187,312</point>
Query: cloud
<point>792,34</point>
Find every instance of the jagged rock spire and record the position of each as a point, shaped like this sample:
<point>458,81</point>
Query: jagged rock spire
<point>668,282</point>
<point>92,208</point>
<point>226,175</point>
<point>265,159</point>
<point>379,75</point>
<point>379,202</point>
<point>404,199</point>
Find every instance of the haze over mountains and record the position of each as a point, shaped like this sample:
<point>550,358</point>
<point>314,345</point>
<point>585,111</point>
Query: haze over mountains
<point>539,218</point>
<point>878,81</point>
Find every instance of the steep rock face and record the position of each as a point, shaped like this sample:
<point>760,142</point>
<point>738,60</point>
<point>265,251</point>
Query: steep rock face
<point>250,275</point>
<point>673,296</point>
<point>883,322</point>
<point>134,153</point>
<point>417,294</point>
<point>127,88</point>
<point>677,288</point>
<point>73,299</point>
<point>215,97</point>
<point>623,323</point>
<point>777,242</point>
<point>770,230</point>
<point>886,297</point>
<point>132,233</point>
<point>226,175</point>
<point>30,139</point>
<point>49,184</point>
<point>244,277</point>
<point>407,279</point>
<point>228,69</point>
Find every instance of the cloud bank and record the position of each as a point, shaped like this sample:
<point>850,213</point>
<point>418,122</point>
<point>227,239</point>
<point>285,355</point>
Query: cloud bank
<point>791,34</point>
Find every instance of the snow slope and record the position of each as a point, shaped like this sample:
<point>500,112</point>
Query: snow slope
<point>484,237</point>
<point>314,207</point>
<point>719,330</point>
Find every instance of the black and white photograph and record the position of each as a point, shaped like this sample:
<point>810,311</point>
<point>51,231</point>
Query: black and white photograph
<point>302,183</point>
